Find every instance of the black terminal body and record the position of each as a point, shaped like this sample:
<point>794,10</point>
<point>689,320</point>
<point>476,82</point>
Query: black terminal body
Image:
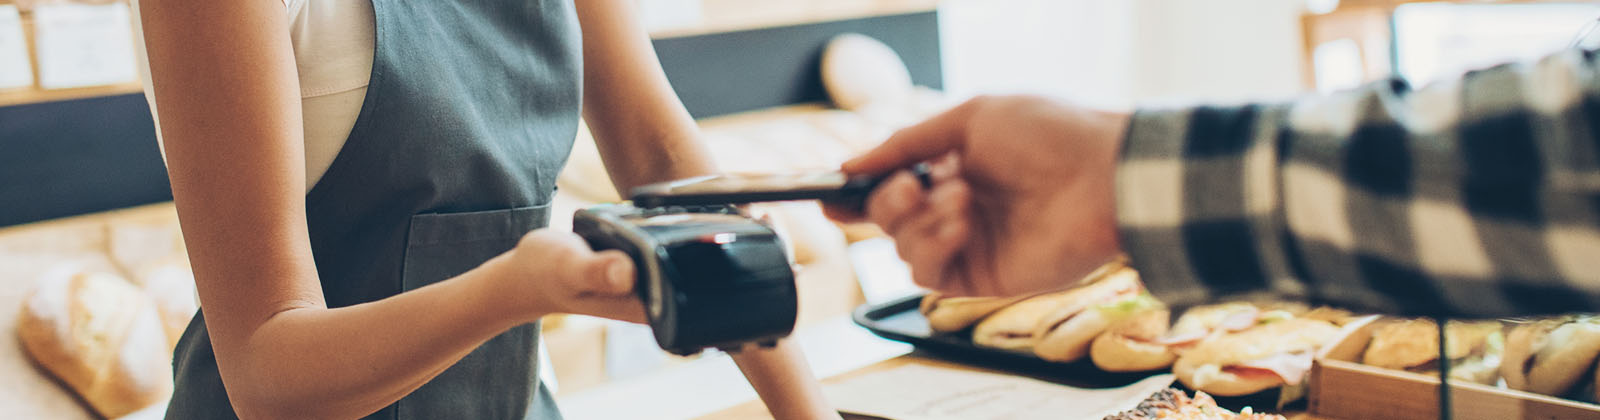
<point>708,276</point>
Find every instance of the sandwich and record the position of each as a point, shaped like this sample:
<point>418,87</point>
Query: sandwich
<point>1204,322</point>
<point>1065,335</point>
<point>1550,356</point>
<point>950,314</point>
<point>1473,348</point>
<point>1131,345</point>
<point>1337,316</point>
<point>1269,355</point>
<point>1145,344</point>
<point>1017,327</point>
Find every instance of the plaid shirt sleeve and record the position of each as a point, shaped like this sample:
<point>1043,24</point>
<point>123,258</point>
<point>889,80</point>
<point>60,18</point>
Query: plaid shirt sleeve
<point>1477,197</point>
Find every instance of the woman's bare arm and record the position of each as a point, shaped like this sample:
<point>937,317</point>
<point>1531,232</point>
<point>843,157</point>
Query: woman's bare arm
<point>641,128</point>
<point>225,79</point>
<point>645,135</point>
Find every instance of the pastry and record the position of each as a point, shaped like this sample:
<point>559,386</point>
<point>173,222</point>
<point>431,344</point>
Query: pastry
<point>858,70</point>
<point>100,336</point>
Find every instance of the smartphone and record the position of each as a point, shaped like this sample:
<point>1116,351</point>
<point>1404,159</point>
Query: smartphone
<point>831,186</point>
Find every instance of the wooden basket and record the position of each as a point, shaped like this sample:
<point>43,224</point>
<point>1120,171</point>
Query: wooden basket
<point>1342,388</point>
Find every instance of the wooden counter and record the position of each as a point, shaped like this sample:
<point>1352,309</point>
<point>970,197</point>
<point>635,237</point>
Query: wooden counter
<point>756,410</point>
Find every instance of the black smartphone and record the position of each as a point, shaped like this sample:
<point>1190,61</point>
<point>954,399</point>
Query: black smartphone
<point>831,186</point>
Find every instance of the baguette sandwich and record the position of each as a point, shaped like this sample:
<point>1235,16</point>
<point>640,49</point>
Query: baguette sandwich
<point>1268,355</point>
<point>1066,334</point>
<point>1145,343</point>
<point>1131,346</point>
<point>1017,327</point>
<point>950,314</point>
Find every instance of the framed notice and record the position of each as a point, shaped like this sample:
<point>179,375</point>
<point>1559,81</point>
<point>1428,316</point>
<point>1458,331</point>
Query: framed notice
<point>15,71</point>
<point>84,45</point>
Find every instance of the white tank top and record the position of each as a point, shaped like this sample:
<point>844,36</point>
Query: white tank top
<point>333,47</point>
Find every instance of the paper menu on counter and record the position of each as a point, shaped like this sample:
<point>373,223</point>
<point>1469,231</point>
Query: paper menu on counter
<point>84,45</point>
<point>918,392</point>
<point>15,71</point>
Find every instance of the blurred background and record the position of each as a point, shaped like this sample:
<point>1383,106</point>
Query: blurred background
<point>775,87</point>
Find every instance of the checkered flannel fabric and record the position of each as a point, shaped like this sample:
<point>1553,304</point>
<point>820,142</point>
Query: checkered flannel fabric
<point>1476,197</point>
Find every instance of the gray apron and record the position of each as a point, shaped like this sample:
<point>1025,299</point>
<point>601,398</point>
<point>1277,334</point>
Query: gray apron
<point>470,112</point>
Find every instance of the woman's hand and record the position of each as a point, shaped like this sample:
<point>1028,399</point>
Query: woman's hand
<point>556,272</point>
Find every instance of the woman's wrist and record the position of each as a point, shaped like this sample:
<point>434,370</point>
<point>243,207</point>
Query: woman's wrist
<point>503,290</point>
<point>783,380</point>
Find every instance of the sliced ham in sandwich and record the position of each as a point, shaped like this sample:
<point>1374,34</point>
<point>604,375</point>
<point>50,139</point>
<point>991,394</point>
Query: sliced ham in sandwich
<point>1268,355</point>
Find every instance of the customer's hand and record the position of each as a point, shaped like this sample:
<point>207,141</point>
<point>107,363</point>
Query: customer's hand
<point>556,272</point>
<point>1022,197</point>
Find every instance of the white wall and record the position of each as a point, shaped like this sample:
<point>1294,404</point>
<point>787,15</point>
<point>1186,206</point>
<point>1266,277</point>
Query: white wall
<point>1222,50</point>
<point>1078,49</point>
<point>1121,52</point>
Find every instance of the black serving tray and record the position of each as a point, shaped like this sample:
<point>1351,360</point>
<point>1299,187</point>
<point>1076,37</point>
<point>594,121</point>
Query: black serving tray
<point>900,320</point>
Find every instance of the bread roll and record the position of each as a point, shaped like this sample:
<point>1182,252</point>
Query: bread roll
<point>1012,327</point>
<point>1413,345</point>
<point>1152,345</point>
<point>1255,359</point>
<point>1065,335</point>
<point>859,70</point>
<point>1018,327</point>
<point>950,314</point>
<point>1337,316</point>
<point>1596,373</point>
<point>1130,346</point>
<point>1550,356</point>
<point>1203,322</point>
<point>102,337</point>
<point>1403,344</point>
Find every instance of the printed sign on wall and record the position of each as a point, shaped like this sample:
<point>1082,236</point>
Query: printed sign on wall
<point>84,45</point>
<point>15,71</point>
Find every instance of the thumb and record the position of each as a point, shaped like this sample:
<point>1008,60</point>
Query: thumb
<point>924,141</point>
<point>609,272</point>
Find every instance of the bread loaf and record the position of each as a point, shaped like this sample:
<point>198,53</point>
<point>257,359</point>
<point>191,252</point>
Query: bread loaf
<point>100,336</point>
<point>1551,356</point>
<point>858,70</point>
<point>950,314</point>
